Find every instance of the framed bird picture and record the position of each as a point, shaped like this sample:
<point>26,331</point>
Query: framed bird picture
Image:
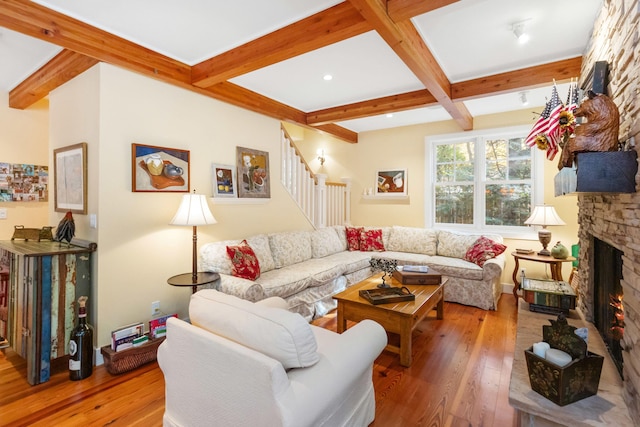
<point>70,178</point>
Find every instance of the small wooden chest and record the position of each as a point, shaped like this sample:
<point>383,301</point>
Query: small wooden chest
<point>414,278</point>
<point>548,296</point>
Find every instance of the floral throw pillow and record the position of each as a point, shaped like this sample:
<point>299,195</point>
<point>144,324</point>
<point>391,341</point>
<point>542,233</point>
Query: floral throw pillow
<point>353,238</point>
<point>482,250</point>
<point>244,260</point>
<point>371,241</point>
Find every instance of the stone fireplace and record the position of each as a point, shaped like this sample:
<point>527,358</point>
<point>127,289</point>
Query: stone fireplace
<point>614,218</point>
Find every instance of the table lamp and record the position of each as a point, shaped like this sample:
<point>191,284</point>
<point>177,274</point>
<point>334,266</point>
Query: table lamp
<point>194,211</point>
<point>544,216</point>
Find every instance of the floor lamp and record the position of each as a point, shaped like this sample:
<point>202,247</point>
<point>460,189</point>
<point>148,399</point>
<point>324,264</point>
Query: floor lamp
<point>194,211</point>
<point>544,216</point>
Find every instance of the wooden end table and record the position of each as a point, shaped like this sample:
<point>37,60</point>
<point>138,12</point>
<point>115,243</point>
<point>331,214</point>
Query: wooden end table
<point>187,279</point>
<point>555,265</point>
<point>399,318</point>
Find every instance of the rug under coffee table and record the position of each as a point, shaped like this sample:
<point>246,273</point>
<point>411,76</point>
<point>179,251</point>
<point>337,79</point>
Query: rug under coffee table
<point>399,318</point>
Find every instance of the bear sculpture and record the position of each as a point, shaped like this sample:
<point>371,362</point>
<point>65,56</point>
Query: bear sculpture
<point>600,133</point>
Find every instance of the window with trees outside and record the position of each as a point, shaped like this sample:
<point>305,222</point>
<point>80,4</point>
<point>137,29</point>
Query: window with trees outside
<point>483,181</point>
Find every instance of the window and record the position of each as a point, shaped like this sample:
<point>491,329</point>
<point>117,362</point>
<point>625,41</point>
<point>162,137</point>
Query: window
<point>483,181</point>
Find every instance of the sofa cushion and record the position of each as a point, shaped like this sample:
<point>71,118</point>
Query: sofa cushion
<point>278,333</point>
<point>455,245</point>
<point>214,257</point>
<point>244,260</point>
<point>290,247</point>
<point>371,240</point>
<point>342,235</point>
<point>325,242</point>
<point>482,250</point>
<point>260,245</point>
<point>353,238</point>
<point>412,239</point>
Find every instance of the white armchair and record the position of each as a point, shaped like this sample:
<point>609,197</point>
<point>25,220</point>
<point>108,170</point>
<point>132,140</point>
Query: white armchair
<point>246,364</point>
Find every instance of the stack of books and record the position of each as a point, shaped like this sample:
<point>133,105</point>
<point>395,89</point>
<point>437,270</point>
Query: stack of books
<point>158,325</point>
<point>127,336</point>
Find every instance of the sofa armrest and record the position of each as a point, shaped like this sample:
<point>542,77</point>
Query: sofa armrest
<point>493,267</point>
<point>345,360</point>
<point>241,288</point>
<point>274,302</point>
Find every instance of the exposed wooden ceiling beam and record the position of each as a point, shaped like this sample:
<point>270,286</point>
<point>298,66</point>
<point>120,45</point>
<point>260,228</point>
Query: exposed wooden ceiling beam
<point>29,18</point>
<point>372,107</point>
<point>531,77</point>
<point>40,22</point>
<point>399,10</point>
<point>322,29</point>
<point>236,95</point>
<point>405,41</point>
<point>63,67</point>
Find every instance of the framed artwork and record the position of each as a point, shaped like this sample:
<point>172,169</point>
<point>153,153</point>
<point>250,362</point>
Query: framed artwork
<point>224,181</point>
<point>159,169</point>
<point>391,182</point>
<point>23,183</point>
<point>70,178</point>
<point>253,173</point>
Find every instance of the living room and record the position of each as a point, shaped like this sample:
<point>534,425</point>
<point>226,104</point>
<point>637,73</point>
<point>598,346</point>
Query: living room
<point>111,108</point>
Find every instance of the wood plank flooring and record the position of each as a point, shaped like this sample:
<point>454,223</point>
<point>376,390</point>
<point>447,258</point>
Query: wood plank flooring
<point>459,377</point>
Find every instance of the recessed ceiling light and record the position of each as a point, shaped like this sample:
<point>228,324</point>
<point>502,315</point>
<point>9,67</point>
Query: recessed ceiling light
<point>389,115</point>
<point>327,77</point>
<point>518,31</point>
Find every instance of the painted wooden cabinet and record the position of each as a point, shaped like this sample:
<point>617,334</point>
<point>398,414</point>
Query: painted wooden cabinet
<point>45,280</point>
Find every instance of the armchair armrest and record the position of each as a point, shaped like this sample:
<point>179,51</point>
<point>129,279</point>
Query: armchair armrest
<point>274,302</point>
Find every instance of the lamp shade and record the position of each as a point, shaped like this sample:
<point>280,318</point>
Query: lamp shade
<point>544,215</point>
<point>193,210</point>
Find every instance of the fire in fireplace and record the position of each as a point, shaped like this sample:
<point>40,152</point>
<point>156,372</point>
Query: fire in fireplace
<point>608,296</point>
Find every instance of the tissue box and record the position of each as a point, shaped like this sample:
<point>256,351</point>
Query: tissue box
<point>575,381</point>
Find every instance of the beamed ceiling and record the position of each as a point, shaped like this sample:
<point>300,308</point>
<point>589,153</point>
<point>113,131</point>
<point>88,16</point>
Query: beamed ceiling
<point>397,33</point>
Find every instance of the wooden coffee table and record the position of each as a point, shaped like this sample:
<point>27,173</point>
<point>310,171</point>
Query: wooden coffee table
<point>399,318</point>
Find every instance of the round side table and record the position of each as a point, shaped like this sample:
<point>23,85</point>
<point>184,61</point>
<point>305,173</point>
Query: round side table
<point>187,279</point>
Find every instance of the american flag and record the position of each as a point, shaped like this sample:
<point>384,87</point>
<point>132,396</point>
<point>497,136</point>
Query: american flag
<point>572,97</point>
<point>553,128</point>
<point>539,127</point>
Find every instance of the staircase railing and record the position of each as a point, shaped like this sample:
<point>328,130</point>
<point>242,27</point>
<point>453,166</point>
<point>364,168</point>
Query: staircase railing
<point>323,203</point>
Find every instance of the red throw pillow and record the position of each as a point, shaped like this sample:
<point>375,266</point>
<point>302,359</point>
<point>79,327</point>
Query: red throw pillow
<point>353,238</point>
<point>244,260</point>
<point>483,249</point>
<point>371,241</point>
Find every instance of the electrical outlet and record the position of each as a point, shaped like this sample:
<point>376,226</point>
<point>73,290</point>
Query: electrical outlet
<point>522,271</point>
<point>155,308</point>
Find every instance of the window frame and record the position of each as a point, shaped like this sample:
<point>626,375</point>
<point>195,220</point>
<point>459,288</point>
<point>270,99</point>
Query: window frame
<point>480,181</point>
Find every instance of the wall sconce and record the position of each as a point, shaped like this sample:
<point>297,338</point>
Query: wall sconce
<point>523,98</point>
<point>518,31</point>
<point>321,156</point>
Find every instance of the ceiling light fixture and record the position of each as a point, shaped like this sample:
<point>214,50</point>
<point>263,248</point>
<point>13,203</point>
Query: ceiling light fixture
<point>523,98</point>
<point>389,115</point>
<point>518,31</point>
<point>328,77</point>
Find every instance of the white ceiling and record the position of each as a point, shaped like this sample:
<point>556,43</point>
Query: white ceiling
<point>469,39</point>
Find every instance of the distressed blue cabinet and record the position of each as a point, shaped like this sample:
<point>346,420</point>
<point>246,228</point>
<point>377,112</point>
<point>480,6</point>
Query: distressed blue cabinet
<point>45,280</point>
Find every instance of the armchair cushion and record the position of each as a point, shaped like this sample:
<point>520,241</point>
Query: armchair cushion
<point>280,334</point>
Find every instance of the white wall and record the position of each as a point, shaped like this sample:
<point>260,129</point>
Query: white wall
<point>138,251</point>
<point>24,138</point>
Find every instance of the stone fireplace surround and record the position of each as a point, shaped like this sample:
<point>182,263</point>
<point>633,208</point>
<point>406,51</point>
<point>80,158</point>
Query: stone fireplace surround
<point>615,218</point>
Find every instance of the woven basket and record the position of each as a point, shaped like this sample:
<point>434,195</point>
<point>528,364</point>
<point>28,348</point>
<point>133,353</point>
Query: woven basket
<point>118,362</point>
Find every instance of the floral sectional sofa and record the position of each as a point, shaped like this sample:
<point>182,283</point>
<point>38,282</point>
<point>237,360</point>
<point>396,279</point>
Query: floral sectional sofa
<point>307,268</point>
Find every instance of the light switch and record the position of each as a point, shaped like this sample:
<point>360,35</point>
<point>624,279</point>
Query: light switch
<point>93,221</point>
<point>3,213</point>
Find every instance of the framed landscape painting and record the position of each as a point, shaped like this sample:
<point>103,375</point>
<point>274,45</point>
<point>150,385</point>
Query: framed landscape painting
<point>224,181</point>
<point>391,182</point>
<point>253,173</point>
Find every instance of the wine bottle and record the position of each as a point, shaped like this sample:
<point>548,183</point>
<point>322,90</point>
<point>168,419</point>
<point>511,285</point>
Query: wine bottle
<point>81,345</point>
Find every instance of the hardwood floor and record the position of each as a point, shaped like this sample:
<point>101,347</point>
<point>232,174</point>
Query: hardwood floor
<point>459,377</point>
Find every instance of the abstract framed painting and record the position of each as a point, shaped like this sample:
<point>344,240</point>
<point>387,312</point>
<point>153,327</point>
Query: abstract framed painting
<point>70,178</point>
